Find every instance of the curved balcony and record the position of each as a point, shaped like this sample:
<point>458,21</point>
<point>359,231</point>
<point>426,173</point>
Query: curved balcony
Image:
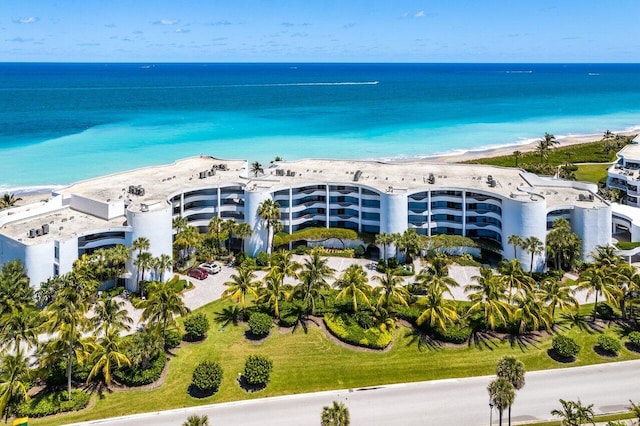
<point>195,210</point>
<point>101,242</point>
<point>196,197</point>
<point>299,193</point>
<point>486,226</point>
<point>308,217</point>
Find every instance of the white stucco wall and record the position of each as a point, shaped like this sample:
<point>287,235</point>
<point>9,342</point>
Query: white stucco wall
<point>259,240</point>
<point>593,225</point>
<point>526,219</point>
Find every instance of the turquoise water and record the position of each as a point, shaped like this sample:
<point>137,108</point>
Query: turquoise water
<point>64,122</point>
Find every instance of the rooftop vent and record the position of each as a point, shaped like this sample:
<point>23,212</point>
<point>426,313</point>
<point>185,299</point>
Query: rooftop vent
<point>32,233</point>
<point>431,179</point>
<point>356,177</point>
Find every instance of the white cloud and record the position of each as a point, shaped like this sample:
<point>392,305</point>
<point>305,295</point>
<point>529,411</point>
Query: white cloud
<point>167,22</point>
<point>420,14</point>
<point>27,20</point>
<point>181,30</point>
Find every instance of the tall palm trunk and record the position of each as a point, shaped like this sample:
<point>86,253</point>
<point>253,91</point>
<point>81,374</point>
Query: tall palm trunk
<point>500,411</point>
<point>509,415</point>
<point>69,362</point>
<point>595,307</point>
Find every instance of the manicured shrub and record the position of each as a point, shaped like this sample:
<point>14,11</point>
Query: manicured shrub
<point>135,376</point>
<point>345,328</point>
<point>565,346</point>
<point>260,324</point>
<point>302,249</point>
<point>262,259</point>
<point>359,251</point>
<point>381,266</point>
<point>609,344</point>
<point>392,263</point>
<point>249,263</point>
<point>634,339</point>
<point>257,370</point>
<point>240,257</point>
<point>605,311</point>
<point>207,376</point>
<point>288,319</point>
<point>54,403</point>
<point>172,338</point>
<point>196,327</point>
<point>455,334</point>
<point>364,319</point>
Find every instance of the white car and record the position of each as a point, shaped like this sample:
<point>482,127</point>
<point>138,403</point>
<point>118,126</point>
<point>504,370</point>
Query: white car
<point>211,268</point>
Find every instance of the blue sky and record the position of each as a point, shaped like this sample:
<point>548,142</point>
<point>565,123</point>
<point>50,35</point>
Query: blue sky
<point>320,31</point>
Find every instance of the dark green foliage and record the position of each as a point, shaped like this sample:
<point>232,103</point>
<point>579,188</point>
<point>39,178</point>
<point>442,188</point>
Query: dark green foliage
<point>314,234</point>
<point>135,376</point>
<point>177,284</point>
<point>240,257</point>
<point>381,266</point>
<point>260,324</point>
<point>408,313</point>
<point>627,245</point>
<point>257,370</point>
<point>364,319</point>
<point>345,328</point>
<point>249,263</point>
<point>609,344</point>
<point>634,339</point>
<point>54,403</point>
<point>359,251</point>
<point>392,263</point>
<point>454,334</point>
<point>565,346</point>
<point>15,291</point>
<point>196,327</point>
<point>302,250</point>
<point>262,259</point>
<point>207,376</point>
<point>605,311</point>
<point>172,338</point>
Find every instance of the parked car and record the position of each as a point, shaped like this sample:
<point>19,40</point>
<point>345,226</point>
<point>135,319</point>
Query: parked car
<point>211,268</point>
<point>198,273</point>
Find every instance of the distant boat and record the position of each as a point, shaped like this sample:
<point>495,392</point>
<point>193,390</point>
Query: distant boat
<point>594,73</point>
<point>144,67</point>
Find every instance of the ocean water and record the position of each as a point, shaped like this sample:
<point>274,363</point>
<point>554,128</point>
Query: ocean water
<point>61,123</point>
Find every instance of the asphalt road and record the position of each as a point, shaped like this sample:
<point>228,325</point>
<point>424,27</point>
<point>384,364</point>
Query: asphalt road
<point>455,402</point>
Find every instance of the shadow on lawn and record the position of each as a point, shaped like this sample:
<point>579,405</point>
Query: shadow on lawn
<point>423,340</point>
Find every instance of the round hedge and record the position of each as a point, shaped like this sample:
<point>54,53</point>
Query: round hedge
<point>565,346</point>
<point>196,327</point>
<point>257,370</point>
<point>260,324</point>
<point>135,376</point>
<point>609,344</point>
<point>207,376</point>
<point>605,311</point>
<point>634,339</point>
<point>172,339</point>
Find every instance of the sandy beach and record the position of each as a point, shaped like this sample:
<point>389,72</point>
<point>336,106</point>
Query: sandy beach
<point>509,149</point>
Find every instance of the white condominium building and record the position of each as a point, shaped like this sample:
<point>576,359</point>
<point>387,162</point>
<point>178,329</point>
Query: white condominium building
<point>367,196</point>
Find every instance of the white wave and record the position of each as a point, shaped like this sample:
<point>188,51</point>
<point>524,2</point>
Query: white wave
<point>327,83</point>
<point>519,71</point>
<point>594,73</point>
<point>29,190</point>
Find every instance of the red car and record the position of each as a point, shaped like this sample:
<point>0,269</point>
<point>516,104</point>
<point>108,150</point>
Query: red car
<point>198,273</point>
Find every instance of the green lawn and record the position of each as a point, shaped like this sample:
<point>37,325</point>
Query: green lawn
<point>311,362</point>
<point>592,172</point>
<point>591,152</point>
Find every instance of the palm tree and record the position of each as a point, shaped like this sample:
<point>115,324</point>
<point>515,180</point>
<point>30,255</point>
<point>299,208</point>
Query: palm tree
<point>187,240</point>
<point>163,303</point>
<point>513,276</point>
<point>215,228</point>
<point>282,261</point>
<point>384,240</point>
<point>628,281</point>
<point>608,135</point>
<point>354,286</point>
<point>562,244</point>
<point>242,284</point>
<point>335,415</point>
<point>487,296</point>
<point>19,329</point>
<point>229,226</point>
<point>143,262</point>
<point>606,256</point>
<point>516,241</point>
<point>438,311</point>
<point>118,257</point>
<point>164,263</point>
<point>143,347</point>
<point>256,168</point>
<point>574,413</point>
<point>15,377</point>
<point>269,211</point>
<point>501,394</point>
<point>436,274</point>
<point>196,420</point>
<point>530,312</point>
<point>110,313</point>
<point>107,355</point>
<point>140,245</point>
<point>243,231</point>
<point>15,291</point>
<point>8,200</point>
<point>390,291</point>
<point>274,291</point>
<point>512,370</point>
<point>598,280</point>
<point>556,295</point>
<point>180,224</point>
<point>67,322</point>
<point>534,246</point>
<point>314,280</point>
<point>517,154</point>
